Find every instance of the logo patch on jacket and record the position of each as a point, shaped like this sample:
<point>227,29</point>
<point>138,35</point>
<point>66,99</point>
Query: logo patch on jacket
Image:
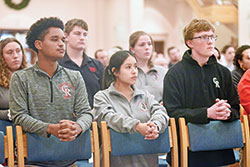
<point>143,106</point>
<point>216,82</point>
<point>92,69</point>
<point>154,76</point>
<point>66,88</point>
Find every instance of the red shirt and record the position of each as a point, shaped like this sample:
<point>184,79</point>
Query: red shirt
<point>244,92</point>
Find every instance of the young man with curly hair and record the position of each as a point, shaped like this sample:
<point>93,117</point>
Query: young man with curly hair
<point>47,99</point>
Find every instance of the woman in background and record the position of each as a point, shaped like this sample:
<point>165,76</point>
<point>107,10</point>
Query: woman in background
<point>150,76</point>
<point>127,109</point>
<point>12,58</point>
<point>241,63</point>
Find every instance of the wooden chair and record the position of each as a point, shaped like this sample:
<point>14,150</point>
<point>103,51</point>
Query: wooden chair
<point>205,137</point>
<point>35,148</point>
<point>7,146</point>
<point>241,111</point>
<point>120,144</point>
<point>4,124</point>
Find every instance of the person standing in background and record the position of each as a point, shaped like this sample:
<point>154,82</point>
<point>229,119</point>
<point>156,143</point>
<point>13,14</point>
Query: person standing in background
<point>228,53</point>
<point>75,58</point>
<point>102,56</point>
<point>150,76</point>
<point>174,56</point>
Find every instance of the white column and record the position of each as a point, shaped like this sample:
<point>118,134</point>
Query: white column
<point>244,22</point>
<point>136,15</point>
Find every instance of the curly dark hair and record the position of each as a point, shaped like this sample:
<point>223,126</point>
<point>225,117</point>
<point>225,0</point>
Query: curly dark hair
<point>40,28</point>
<point>238,54</point>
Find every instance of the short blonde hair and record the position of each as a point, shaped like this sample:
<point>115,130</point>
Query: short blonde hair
<point>196,26</point>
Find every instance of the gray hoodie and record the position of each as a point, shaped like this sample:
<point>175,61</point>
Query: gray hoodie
<point>123,115</point>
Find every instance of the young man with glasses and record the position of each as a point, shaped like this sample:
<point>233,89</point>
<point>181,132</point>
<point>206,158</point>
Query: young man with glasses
<point>199,89</point>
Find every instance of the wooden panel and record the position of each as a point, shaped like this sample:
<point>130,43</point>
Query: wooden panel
<point>227,14</point>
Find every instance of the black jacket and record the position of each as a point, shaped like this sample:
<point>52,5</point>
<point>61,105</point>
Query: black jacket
<point>189,90</point>
<point>91,71</point>
<point>237,73</point>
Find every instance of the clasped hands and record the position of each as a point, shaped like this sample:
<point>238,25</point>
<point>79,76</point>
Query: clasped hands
<point>220,110</point>
<point>65,130</point>
<point>149,130</point>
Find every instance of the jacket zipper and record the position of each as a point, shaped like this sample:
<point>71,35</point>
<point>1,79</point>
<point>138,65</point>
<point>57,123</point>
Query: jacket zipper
<point>51,91</point>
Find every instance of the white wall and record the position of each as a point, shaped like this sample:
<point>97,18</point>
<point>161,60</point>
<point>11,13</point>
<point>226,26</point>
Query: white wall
<point>64,9</point>
<point>112,21</point>
<point>166,19</point>
<point>244,22</point>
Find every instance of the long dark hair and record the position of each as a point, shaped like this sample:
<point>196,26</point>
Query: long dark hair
<point>115,61</point>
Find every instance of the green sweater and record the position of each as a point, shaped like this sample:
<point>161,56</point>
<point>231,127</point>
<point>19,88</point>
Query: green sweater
<point>37,100</point>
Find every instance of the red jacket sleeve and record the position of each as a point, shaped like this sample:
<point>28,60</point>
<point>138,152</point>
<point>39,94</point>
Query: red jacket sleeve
<point>244,91</point>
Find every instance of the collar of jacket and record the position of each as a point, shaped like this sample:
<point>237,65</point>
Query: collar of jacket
<point>38,70</point>
<point>187,56</point>
<point>151,69</point>
<point>85,58</point>
<point>137,92</point>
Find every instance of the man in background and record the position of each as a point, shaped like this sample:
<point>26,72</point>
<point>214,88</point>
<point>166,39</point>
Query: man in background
<point>174,56</point>
<point>75,58</point>
<point>102,56</point>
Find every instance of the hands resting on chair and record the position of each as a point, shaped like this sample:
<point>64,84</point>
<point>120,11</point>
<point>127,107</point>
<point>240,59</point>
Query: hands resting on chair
<point>65,130</point>
<point>149,130</point>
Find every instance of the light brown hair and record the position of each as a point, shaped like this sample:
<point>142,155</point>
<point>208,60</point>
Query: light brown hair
<point>133,39</point>
<point>196,26</point>
<point>5,72</point>
<point>75,22</point>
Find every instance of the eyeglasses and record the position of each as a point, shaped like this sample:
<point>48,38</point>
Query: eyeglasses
<point>205,38</point>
